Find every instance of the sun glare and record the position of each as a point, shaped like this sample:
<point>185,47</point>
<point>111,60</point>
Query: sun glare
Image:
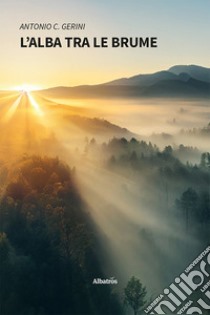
<point>26,88</point>
<point>25,97</point>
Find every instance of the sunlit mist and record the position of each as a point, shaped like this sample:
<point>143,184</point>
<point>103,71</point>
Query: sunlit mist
<point>12,109</point>
<point>35,105</point>
<point>133,212</point>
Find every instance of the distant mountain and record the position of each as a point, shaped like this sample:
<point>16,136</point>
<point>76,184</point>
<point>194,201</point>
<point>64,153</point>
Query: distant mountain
<point>144,79</point>
<point>179,72</point>
<point>178,88</point>
<point>178,81</point>
<point>196,72</point>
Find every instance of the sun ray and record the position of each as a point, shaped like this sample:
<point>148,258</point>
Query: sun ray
<point>12,109</point>
<point>35,105</point>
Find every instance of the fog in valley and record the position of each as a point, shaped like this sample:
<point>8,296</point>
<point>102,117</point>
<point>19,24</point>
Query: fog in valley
<point>136,163</point>
<point>163,121</point>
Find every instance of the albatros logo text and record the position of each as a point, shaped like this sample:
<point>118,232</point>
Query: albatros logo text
<point>111,280</point>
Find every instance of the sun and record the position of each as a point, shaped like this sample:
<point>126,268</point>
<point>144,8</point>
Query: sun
<point>26,88</point>
<point>24,91</point>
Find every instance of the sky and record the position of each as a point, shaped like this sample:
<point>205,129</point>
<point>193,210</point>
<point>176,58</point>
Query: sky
<point>181,26</point>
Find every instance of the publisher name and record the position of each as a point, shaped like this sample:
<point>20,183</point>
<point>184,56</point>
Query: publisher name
<point>111,280</point>
<point>52,26</point>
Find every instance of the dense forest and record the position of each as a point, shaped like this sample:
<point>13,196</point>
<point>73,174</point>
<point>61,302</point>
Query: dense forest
<point>48,244</point>
<point>184,187</point>
<point>51,247</point>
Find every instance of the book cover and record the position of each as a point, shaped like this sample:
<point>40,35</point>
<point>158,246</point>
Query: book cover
<point>104,157</point>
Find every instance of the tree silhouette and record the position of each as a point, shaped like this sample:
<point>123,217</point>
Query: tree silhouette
<point>135,294</point>
<point>188,204</point>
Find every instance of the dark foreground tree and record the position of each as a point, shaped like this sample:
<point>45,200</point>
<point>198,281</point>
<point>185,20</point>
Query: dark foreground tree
<point>188,204</point>
<point>49,250</point>
<point>135,294</point>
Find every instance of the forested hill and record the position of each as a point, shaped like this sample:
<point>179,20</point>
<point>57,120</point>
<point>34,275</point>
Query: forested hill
<point>48,245</point>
